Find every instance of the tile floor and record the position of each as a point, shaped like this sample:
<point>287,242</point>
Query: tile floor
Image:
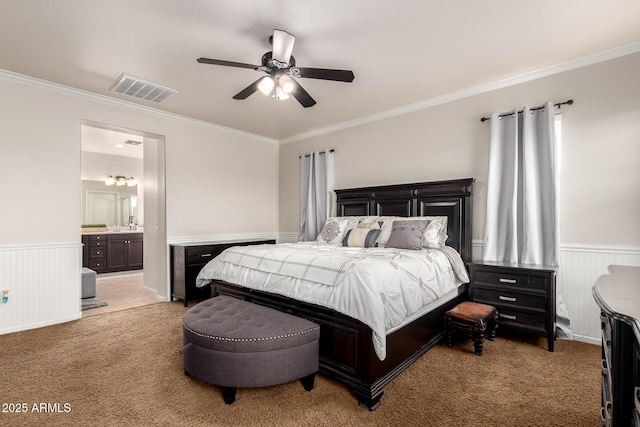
<point>121,291</point>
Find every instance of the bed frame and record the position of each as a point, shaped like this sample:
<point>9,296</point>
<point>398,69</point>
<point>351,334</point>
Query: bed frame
<point>346,349</point>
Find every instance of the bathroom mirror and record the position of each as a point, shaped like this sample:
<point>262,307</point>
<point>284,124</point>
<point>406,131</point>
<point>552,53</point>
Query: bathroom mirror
<point>108,204</point>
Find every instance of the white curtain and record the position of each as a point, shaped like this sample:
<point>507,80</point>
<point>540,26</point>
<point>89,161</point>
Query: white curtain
<point>522,221</point>
<point>316,192</point>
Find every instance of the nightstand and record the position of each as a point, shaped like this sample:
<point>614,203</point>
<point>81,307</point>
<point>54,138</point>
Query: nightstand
<point>524,294</point>
<point>188,259</point>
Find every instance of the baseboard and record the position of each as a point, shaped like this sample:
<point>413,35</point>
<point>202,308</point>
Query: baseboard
<point>588,340</point>
<point>35,325</point>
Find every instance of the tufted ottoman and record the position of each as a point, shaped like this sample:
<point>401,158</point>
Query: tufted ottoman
<point>233,343</point>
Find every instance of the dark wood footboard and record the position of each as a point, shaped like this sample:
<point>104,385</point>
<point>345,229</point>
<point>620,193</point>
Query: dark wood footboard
<point>346,348</point>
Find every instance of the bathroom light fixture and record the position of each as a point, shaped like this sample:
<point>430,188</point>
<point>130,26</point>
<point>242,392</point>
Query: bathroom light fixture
<point>120,181</point>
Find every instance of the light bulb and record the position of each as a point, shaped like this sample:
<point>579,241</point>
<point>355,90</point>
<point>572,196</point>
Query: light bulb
<point>286,84</point>
<point>281,94</point>
<point>266,85</point>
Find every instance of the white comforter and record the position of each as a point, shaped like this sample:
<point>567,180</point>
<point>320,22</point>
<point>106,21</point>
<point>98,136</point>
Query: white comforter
<point>378,286</point>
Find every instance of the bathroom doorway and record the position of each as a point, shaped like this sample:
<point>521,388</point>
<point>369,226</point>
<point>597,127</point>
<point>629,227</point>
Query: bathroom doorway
<point>123,171</point>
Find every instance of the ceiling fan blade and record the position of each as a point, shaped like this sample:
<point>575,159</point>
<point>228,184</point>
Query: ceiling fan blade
<point>302,95</point>
<point>227,63</point>
<point>282,46</point>
<point>249,90</point>
<point>323,73</point>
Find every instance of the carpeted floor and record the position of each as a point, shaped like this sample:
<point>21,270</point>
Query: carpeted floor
<point>124,368</point>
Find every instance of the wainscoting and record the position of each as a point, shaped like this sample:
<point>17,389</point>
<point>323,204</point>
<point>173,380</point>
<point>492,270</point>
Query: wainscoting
<point>43,283</point>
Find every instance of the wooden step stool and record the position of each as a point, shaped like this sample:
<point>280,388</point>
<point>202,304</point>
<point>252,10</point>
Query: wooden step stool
<point>473,319</point>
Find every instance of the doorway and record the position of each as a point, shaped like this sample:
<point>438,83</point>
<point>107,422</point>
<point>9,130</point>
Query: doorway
<point>137,159</point>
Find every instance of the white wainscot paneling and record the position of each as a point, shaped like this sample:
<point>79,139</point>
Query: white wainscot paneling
<point>43,284</point>
<point>579,268</point>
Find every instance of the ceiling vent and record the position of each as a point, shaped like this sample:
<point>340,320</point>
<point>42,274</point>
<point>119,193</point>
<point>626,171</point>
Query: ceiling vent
<point>139,88</point>
<point>131,142</point>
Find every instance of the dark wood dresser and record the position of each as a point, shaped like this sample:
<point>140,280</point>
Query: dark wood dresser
<point>618,296</point>
<point>524,294</point>
<point>188,259</point>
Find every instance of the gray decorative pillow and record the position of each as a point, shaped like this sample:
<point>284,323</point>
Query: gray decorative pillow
<point>361,237</point>
<point>407,234</point>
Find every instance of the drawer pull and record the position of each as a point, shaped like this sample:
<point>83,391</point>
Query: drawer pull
<point>511,281</point>
<point>507,316</point>
<point>503,298</point>
<point>636,398</point>
<point>205,255</point>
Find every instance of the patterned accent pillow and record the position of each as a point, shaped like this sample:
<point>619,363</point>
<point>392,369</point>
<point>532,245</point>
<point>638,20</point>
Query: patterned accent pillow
<point>361,237</point>
<point>333,232</point>
<point>407,234</point>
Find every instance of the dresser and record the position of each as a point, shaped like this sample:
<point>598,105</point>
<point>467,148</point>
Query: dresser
<point>188,259</point>
<point>524,294</point>
<point>618,297</point>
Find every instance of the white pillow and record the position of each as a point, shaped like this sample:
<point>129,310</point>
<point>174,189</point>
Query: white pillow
<point>333,232</point>
<point>353,220</point>
<point>435,235</point>
<point>386,227</point>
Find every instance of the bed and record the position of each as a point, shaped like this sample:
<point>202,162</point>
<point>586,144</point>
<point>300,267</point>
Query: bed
<point>350,349</point>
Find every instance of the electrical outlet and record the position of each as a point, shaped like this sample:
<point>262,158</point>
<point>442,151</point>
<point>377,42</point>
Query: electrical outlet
<point>5,296</point>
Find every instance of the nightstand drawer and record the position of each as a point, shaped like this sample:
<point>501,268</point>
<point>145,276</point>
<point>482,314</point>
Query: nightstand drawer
<point>524,318</point>
<point>495,297</point>
<point>511,278</point>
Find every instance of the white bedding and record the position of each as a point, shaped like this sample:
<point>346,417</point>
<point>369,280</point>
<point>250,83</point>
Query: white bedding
<point>381,287</point>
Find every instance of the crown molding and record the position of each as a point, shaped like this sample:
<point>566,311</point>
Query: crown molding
<point>584,61</point>
<point>67,90</point>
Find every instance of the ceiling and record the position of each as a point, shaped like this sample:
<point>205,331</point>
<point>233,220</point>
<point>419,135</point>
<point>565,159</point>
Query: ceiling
<point>402,52</point>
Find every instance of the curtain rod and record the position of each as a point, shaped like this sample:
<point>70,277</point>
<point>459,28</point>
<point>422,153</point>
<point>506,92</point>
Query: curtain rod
<point>559,104</point>
<point>321,152</point>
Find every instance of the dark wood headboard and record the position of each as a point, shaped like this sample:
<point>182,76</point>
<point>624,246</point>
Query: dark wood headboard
<point>439,198</point>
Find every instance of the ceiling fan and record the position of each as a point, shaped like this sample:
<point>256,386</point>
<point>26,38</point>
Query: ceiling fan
<point>282,71</point>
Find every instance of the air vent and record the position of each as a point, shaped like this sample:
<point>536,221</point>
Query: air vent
<point>139,88</point>
<point>131,142</point>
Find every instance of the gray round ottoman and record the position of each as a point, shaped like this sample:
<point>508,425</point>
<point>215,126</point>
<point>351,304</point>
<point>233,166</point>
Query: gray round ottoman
<point>233,343</point>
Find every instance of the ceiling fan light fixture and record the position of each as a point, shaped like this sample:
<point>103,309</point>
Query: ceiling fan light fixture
<point>266,85</point>
<point>286,84</point>
<point>280,94</point>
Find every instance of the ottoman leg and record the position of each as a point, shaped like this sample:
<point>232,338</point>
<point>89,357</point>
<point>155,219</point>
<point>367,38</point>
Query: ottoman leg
<point>307,382</point>
<point>492,334</point>
<point>228,394</point>
<point>448,331</point>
